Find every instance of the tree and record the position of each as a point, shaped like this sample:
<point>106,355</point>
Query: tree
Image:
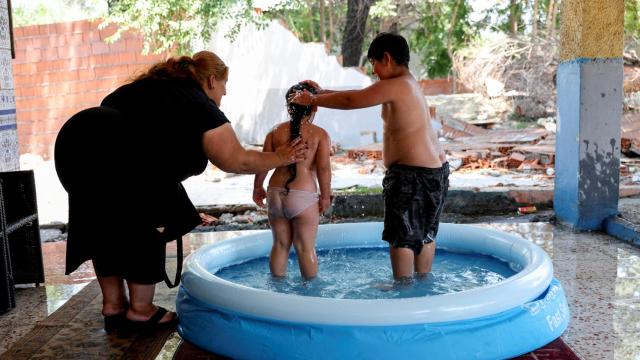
<point>52,11</point>
<point>174,25</point>
<point>355,31</point>
<point>443,27</point>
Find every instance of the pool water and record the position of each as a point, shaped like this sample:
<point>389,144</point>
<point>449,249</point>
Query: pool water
<point>365,273</point>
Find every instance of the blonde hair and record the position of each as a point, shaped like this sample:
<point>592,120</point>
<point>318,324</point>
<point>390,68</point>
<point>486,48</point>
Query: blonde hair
<point>198,67</point>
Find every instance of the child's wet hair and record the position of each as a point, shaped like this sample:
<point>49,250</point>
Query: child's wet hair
<point>394,44</point>
<point>296,114</point>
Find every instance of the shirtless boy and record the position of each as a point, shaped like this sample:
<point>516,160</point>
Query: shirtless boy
<point>416,181</point>
<point>292,196</point>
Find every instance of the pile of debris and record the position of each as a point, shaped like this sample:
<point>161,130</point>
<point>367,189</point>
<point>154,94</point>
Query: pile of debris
<point>228,218</point>
<point>475,147</point>
<point>630,135</point>
<point>471,147</point>
<point>521,68</point>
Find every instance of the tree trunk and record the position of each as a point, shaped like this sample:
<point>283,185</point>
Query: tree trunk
<point>513,17</point>
<point>312,33</point>
<point>534,25</point>
<point>331,30</point>
<point>452,25</point>
<point>323,34</point>
<point>354,31</point>
<point>551,18</point>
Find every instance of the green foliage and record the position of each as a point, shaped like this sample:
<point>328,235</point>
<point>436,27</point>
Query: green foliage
<point>52,11</point>
<point>439,34</point>
<point>631,19</point>
<point>359,190</point>
<point>175,25</point>
<point>384,9</point>
<point>302,17</point>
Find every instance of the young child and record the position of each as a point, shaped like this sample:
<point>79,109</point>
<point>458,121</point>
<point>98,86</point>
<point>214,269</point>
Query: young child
<point>292,197</point>
<point>416,181</point>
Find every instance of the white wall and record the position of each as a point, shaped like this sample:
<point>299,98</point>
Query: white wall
<point>265,63</point>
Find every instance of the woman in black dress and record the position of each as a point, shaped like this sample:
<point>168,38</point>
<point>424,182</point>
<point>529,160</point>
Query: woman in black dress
<point>123,163</point>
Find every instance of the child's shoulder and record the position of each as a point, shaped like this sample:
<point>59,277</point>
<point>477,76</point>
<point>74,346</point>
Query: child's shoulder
<point>283,126</point>
<point>321,132</point>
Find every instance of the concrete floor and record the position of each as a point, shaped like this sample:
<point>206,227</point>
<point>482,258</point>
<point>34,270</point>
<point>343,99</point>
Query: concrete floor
<point>600,275</point>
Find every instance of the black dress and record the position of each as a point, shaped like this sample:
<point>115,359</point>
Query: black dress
<point>122,165</point>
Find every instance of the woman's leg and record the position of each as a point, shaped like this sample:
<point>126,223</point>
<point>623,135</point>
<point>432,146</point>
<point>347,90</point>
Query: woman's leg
<point>114,299</point>
<point>281,230</point>
<point>141,306</point>
<point>305,230</point>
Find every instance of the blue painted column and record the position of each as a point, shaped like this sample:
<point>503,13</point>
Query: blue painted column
<point>590,96</point>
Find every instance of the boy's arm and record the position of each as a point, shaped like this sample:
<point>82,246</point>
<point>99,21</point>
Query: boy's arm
<point>315,85</point>
<point>380,92</point>
<point>259,194</point>
<point>323,170</point>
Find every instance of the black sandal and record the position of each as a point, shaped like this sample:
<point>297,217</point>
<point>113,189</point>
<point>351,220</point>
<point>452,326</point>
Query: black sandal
<point>114,322</point>
<point>154,322</point>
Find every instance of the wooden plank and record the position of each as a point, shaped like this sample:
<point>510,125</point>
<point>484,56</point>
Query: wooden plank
<point>46,329</point>
<point>465,127</point>
<point>507,136</point>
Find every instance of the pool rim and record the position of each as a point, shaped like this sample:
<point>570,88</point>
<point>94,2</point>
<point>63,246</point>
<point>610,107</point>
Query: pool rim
<point>523,287</point>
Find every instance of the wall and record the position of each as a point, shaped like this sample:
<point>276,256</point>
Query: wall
<point>63,68</point>
<point>442,87</point>
<point>264,64</point>
<point>8,134</point>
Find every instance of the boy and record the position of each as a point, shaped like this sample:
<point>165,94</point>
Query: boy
<point>416,181</point>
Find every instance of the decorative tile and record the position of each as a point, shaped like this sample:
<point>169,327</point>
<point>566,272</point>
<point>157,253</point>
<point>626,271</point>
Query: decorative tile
<point>9,155</point>
<point>5,42</point>
<point>6,120</point>
<point>6,69</point>
<point>7,101</point>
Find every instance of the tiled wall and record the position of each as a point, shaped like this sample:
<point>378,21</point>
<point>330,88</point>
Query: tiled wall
<point>63,68</point>
<point>9,158</point>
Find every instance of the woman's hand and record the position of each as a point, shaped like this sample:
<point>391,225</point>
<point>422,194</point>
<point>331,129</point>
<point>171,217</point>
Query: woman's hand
<point>292,152</point>
<point>259,194</point>
<point>324,203</point>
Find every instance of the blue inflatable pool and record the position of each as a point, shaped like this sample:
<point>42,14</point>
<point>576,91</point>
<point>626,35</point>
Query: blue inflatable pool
<point>520,314</point>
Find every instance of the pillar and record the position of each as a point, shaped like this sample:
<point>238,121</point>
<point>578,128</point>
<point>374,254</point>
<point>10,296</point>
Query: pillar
<point>590,96</point>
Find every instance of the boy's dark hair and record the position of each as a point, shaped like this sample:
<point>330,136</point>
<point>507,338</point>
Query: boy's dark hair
<point>394,44</point>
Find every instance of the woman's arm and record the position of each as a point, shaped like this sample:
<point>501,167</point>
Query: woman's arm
<point>323,170</point>
<point>225,151</point>
<point>259,194</point>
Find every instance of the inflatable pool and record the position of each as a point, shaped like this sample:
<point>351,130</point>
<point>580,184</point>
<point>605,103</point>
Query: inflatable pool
<point>517,315</point>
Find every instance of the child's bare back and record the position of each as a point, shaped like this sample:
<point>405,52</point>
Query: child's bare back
<point>317,140</point>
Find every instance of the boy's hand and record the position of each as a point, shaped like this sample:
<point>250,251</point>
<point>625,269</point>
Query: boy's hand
<point>259,194</point>
<point>303,98</point>
<point>324,203</point>
<point>313,84</point>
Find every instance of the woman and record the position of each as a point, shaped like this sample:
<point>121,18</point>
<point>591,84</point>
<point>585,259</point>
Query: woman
<point>125,161</point>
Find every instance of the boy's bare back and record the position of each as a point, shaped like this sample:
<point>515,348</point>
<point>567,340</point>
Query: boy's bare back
<point>317,140</point>
<point>409,137</point>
